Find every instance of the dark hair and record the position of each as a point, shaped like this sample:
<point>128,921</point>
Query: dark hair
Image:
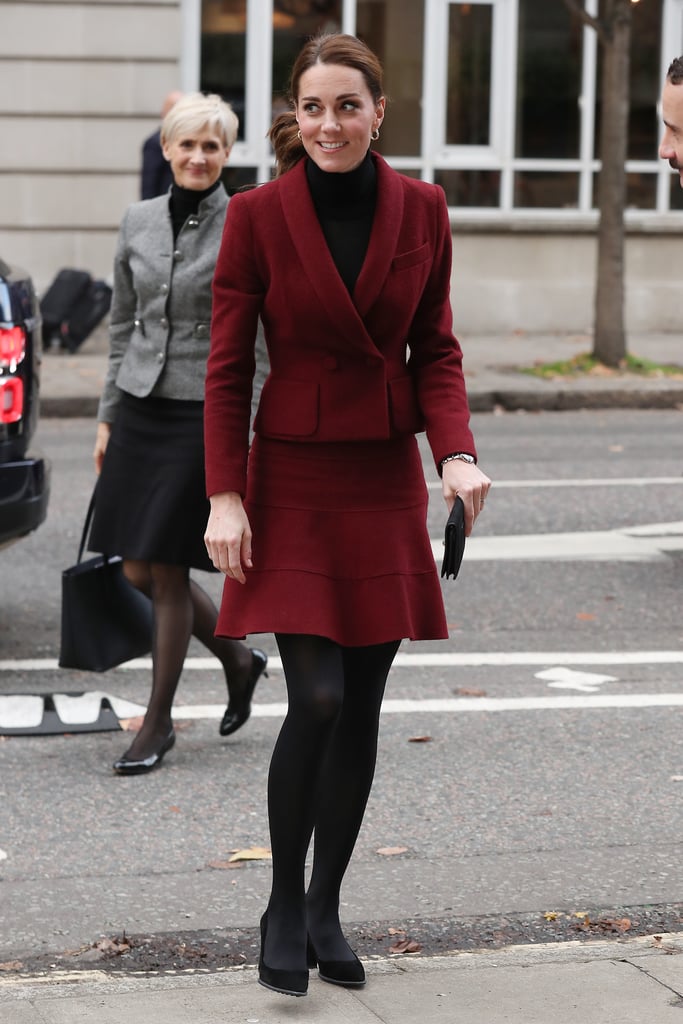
<point>675,72</point>
<point>330,48</point>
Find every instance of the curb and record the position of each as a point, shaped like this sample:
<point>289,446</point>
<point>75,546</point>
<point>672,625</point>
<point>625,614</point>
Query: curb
<point>82,406</point>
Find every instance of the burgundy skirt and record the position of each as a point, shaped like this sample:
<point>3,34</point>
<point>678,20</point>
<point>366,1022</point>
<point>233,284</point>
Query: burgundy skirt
<point>340,545</point>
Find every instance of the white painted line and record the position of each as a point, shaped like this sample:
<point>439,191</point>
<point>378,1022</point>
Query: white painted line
<point>462,704</point>
<point>645,481</point>
<point>636,544</point>
<point>447,659</point>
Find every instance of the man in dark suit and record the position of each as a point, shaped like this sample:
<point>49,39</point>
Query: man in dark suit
<point>156,177</point>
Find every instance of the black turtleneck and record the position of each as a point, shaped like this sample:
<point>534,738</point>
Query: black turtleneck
<point>185,202</point>
<point>345,204</point>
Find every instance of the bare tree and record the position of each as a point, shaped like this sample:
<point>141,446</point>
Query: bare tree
<point>613,27</point>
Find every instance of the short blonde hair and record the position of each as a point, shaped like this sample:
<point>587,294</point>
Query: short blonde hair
<point>196,111</point>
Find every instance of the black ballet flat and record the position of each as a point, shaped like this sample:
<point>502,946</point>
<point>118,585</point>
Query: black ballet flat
<point>348,973</point>
<point>128,766</point>
<point>239,708</point>
<point>287,983</point>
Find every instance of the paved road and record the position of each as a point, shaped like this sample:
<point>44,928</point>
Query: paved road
<point>548,772</point>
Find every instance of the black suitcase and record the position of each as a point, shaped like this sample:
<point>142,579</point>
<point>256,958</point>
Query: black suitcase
<point>90,308</point>
<point>58,301</point>
<point>72,307</point>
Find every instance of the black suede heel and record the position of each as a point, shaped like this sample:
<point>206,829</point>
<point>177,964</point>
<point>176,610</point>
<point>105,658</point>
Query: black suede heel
<point>289,983</point>
<point>348,973</point>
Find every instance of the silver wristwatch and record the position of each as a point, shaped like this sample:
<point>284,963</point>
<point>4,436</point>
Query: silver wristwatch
<point>462,456</point>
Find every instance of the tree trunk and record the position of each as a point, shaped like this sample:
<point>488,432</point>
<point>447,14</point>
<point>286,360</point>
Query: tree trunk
<point>609,345</point>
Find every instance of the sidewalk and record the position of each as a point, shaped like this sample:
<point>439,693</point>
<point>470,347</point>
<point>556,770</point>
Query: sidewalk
<point>71,384</point>
<point>637,981</point>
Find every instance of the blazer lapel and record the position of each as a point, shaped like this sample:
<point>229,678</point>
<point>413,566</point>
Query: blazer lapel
<point>309,242</point>
<point>383,239</point>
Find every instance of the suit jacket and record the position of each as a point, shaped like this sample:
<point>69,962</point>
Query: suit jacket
<point>161,304</point>
<point>376,364</point>
<point>156,176</point>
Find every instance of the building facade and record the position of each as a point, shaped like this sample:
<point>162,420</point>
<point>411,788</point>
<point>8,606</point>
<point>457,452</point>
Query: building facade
<point>498,101</point>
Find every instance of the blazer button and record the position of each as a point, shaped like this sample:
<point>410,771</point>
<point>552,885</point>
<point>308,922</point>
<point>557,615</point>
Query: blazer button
<point>193,222</point>
<point>160,357</point>
<point>330,363</point>
<point>177,255</point>
<point>164,289</point>
<point>201,331</point>
<point>163,322</point>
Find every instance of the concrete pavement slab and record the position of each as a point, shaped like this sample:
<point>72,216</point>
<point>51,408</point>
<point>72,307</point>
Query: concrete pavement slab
<point>635,981</point>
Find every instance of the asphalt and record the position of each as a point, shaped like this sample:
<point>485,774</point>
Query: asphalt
<point>635,980</point>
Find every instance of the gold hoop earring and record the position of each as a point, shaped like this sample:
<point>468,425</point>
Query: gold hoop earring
<point>298,135</point>
<point>375,135</point>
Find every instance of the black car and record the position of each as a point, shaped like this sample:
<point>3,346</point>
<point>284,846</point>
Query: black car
<point>24,479</point>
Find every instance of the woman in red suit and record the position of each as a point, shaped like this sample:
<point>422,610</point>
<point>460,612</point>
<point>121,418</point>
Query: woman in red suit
<point>348,265</point>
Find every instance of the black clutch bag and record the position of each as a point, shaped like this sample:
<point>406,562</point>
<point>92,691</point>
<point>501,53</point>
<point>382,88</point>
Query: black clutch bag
<point>454,541</point>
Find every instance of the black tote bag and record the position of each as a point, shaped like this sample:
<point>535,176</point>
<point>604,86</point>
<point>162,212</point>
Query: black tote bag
<point>105,620</point>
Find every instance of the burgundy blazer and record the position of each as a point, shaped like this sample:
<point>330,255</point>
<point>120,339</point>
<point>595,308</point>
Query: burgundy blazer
<point>376,364</point>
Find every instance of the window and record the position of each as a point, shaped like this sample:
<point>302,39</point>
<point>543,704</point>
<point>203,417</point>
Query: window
<point>498,101</point>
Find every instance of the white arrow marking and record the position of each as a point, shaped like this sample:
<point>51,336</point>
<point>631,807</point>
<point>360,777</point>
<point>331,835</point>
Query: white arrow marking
<point>570,679</point>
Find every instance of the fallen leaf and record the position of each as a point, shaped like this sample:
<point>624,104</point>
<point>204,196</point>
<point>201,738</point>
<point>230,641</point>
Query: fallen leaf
<point>585,616</point>
<point>225,865</point>
<point>551,915</point>
<point>132,724</point>
<point>406,946</point>
<point>12,965</point>
<point>391,851</point>
<point>677,778</point>
<point>115,947</point>
<point>466,691</point>
<point>420,739</point>
<point>656,942</point>
<point>253,853</point>
<point>396,931</point>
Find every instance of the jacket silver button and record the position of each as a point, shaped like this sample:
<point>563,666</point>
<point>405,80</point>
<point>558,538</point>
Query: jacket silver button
<point>201,331</point>
<point>177,255</point>
<point>164,289</point>
<point>160,357</point>
<point>193,222</point>
<point>163,322</point>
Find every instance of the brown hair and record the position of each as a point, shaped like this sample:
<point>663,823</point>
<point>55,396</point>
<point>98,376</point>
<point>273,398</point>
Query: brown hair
<point>331,48</point>
<point>675,72</point>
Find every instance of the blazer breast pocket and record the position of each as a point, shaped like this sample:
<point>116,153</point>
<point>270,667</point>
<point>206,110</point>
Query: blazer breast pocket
<point>412,258</point>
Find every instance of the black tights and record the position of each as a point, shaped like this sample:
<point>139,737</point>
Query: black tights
<point>320,778</point>
<point>181,609</point>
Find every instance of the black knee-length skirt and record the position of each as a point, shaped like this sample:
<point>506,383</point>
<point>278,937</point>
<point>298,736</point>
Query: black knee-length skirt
<point>151,496</point>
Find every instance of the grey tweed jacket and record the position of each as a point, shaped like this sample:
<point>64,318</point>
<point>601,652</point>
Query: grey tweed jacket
<point>161,305</point>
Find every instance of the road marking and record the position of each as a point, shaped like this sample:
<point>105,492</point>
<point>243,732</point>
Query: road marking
<point>447,659</point>
<point>456,705</point>
<point>646,481</point>
<point>569,679</point>
<point>635,544</point>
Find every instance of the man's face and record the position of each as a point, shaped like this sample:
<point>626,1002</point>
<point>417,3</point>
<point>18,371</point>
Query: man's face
<point>671,147</point>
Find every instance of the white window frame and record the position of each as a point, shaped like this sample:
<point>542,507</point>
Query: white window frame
<point>254,151</point>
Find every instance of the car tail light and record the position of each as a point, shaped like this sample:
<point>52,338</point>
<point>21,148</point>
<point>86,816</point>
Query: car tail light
<point>12,347</point>
<point>11,399</point>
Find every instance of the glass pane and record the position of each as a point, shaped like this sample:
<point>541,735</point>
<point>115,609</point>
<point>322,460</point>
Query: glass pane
<point>223,52</point>
<point>641,191</point>
<point>468,94</point>
<point>675,194</point>
<point>470,188</point>
<point>548,189</point>
<point>645,84</point>
<point>235,178</point>
<point>293,22</point>
<point>548,81</point>
<point>395,31</point>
